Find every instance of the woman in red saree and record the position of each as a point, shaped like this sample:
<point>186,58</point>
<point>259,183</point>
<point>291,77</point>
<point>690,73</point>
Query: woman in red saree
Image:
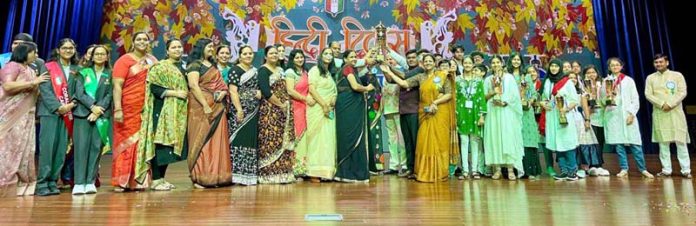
<point>209,157</point>
<point>129,170</point>
<point>17,108</point>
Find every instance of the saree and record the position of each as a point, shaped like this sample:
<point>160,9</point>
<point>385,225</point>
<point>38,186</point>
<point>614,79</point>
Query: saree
<point>321,130</point>
<point>351,132</point>
<point>17,116</point>
<point>434,131</point>
<point>209,159</point>
<point>299,109</point>
<point>276,132</point>
<point>243,139</point>
<point>126,134</point>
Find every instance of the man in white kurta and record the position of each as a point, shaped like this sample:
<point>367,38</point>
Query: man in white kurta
<point>666,90</point>
<point>620,122</point>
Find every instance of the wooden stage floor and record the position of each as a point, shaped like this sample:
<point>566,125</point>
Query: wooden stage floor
<point>386,200</point>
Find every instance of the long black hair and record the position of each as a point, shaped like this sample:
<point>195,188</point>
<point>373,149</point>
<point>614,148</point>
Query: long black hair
<point>291,61</point>
<point>55,55</point>
<point>320,64</point>
<point>510,67</point>
<point>198,51</point>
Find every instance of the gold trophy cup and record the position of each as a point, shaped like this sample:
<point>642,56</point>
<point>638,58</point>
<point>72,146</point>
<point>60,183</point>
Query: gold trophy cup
<point>523,94</point>
<point>609,88</point>
<point>497,87</point>
<point>590,89</point>
<point>560,104</point>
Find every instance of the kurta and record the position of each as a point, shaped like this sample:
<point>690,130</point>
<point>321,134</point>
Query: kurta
<point>530,128</point>
<point>668,88</point>
<point>561,137</point>
<point>321,129</point>
<point>627,103</point>
<point>374,122</point>
<point>502,134</point>
<point>471,102</point>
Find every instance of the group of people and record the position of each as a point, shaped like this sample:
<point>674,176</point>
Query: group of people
<point>283,121</point>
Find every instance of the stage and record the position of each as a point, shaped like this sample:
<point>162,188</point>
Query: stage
<point>386,200</point>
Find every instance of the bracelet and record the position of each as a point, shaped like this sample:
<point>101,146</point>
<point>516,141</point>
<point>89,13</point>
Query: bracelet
<point>117,110</point>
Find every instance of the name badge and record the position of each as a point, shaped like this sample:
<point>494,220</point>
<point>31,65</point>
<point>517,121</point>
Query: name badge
<point>469,104</point>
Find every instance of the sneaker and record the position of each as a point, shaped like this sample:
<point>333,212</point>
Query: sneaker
<point>686,175</point>
<point>603,172</point>
<point>623,174</point>
<point>647,175</point>
<point>581,174</point>
<point>53,190</point>
<point>663,174</point>
<point>572,178</point>
<point>78,189</point>
<point>562,176</point>
<point>42,192</point>
<point>593,172</point>
<point>90,189</point>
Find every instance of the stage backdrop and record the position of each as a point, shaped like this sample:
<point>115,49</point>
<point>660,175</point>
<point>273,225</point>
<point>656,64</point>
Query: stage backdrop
<point>536,28</point>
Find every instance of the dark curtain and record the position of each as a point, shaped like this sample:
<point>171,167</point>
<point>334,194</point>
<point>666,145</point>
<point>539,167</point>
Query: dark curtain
<point>634,31</point>
<point>51,20</point>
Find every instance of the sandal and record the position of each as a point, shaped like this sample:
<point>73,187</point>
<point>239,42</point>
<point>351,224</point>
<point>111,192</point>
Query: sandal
<point>511,175</point>
<point>496,175</point>
<point>160,185</point>
<point>476,175</point>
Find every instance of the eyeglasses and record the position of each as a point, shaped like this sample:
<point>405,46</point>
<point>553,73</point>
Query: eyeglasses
<point>99,54</point>
<point>67,48</point>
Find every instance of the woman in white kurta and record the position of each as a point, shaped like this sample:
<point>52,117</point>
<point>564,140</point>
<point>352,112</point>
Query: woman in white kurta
<point>620,123</point>
<point>502,134</point>
<point>666,90</point>
<point>561,138</point>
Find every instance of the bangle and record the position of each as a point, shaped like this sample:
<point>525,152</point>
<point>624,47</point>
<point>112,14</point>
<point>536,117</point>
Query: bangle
<point>117,110</point>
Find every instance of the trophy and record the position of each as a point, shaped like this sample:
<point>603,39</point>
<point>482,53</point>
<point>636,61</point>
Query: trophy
<point>381,34</point>
<point>523,94</point>
<point>560,104</point>
<point>590,89</point>
<point>497,87</point>
<point>609,88</point>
